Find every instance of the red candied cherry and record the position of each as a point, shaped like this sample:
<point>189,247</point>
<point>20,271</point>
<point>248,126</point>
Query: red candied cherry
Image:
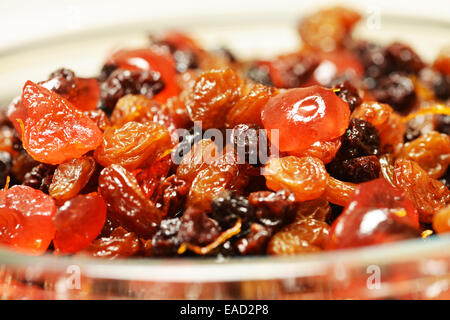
<point>55,130</point>
<point>304,116</point>
<point>83,93</point>
<point>26,219</point>
<point>147,59</point>
<point>78,222</point>
<point>378,213</point>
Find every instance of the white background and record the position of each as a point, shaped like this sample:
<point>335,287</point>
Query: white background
<point>25,21</point>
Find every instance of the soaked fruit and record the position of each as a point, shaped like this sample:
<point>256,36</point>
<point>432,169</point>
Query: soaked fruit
<point>441,220</point>
<point>431,151</point>
<point>134,108</point>
<point>202,154</point>
<point>306,177</point>
<point>120,244</point>
<point>248,108</point>
<point>318,209</point>
<point>339,192</point>
<point>327,29</point>
<point>304,112</point>
<point>214,93</point>
<point>360,139</point>
<point>99,117</point>
<point>427,194</point>
<point>302,236</point>
<point>387,215</point>
<point>127,203</point>
<point>55,130</point>
<point>222,174</point>
<point>78,222</point>
<point>133,145</point>
<point>70,177</point>
<point>323,150</point>
<point>26,219</point>
<point>355,170</point>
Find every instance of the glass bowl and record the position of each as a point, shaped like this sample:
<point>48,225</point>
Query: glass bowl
<point>416,269</point>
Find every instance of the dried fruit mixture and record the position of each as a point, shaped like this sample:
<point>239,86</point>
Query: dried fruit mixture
<point>176,151</point>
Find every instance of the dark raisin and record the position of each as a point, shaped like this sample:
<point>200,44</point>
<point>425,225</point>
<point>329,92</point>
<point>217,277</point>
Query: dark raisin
<point>373,58</point>
<point>197,228</point>
<point>273,209</point>
<point>250,142</point>
<point>122,82</point>
<point>441,86</point>
<point>360,139</point>
<point>418,126</point>
<point>397,90</point>
<point>347,92</point>
<point>170,195</point>
<point>443,123</point>
<point>261,74</point>
<point>228,207</point>
<point>402,58</point>
<point>37,178</point>
<point>255,241</point>
<point>63,81</point>
<point>165,242</point>
<point>106,71</point>
<point>296,70</point>
<point>5,167</point>
<point>356,170</point>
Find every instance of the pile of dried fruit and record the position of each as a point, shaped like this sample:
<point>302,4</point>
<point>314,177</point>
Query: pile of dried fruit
<point>174,150</point>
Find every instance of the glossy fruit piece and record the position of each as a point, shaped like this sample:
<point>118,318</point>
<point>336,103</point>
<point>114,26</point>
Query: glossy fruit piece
<point>133,145</point>
<point>148,59</point>
<point>222,174</point>
<point>214,93</point>
<point>137,108</point>
<point>301,115</point>
<point>83,93</point>
<point>339,192</point>
<point>150,177</point>
<point>55,130</point>
<point>201,155</point>
<point>431,151</point>
<point>302,236</point>
<point>327,29</point>
<point>78,222</point>
<point>120,244</point>
<point>26,220</point>
<point>378,213</point>
<point>323,150</point>
<point>70,177</point>
<point>127,203</point>
<point>427,194</point>
<point>318,209</point>
<point>306,177</point>
<point>441,220</point>
<point>248,108</point>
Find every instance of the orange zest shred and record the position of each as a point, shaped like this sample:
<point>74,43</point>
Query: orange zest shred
<point>8,179</point>
<point>224,236</point>
<point>22,126</point>
<point>165,153</point>
<point>426,233</point>
<point>434,109</point>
